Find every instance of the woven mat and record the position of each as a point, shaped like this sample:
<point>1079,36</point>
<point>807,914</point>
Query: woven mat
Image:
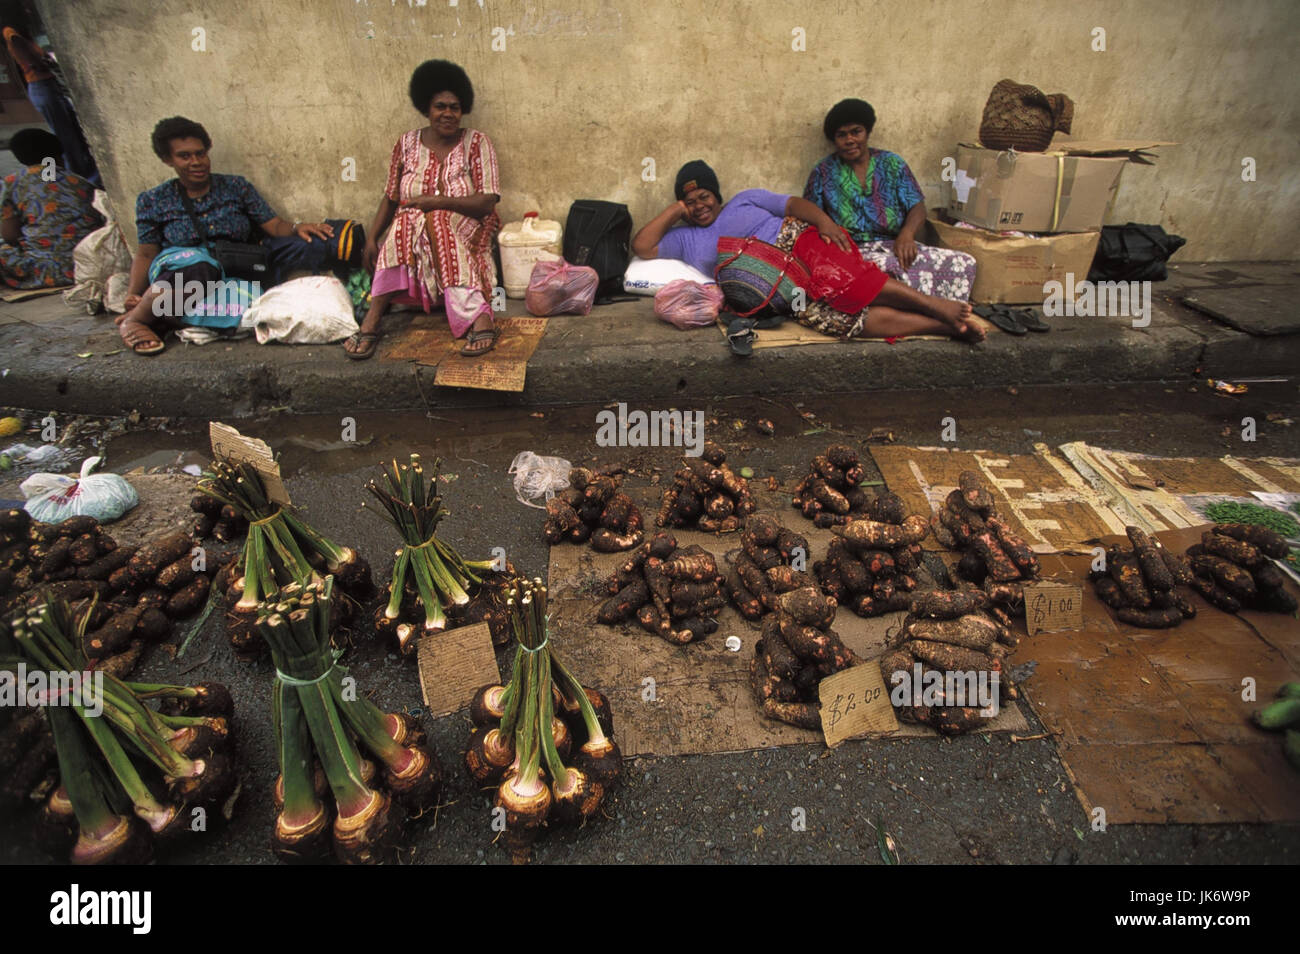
<point>792,334</point>
<point>504,368</point>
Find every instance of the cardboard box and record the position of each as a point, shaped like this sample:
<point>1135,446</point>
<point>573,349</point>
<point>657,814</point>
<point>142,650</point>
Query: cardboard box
<point>1032,191</point>
<point>1013,269</point>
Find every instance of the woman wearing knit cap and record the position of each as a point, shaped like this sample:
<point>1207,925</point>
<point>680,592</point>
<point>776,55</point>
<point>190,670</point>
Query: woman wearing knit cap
<point>779,220</point>
<point>873,194</point>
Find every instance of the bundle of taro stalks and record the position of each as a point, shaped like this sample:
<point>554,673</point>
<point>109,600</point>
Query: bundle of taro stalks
<point>139,590</point>
<point>675,592</point>
<point>995,555</point>
<point>342,759</point>
<point>1233,567</point>
<point>946,651</point>
<point>594,508</point>
<point>797,650</point>
<point>762,569</point>
<point>707,494</point>
<point>871,565</point>
<point>544,740</point>
<point>431,581</point>
<point>1140,584</point>
<point>830,494</point>
<point>129,776</point>
<point>281,549</point>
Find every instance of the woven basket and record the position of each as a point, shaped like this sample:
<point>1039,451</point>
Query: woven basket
<point>1022,117</point>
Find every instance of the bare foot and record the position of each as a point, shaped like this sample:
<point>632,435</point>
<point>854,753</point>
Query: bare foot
<point>953,313</point>
<point>974,333</point>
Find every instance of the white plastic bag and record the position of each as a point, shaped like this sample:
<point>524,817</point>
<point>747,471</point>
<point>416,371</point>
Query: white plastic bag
<point>647,276</point>
<point>312,310</point>
<point>538,477</point>
<point>53,498</point>
<point>97,259</point>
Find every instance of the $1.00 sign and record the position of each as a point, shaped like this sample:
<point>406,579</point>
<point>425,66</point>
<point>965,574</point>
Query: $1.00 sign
<point>1053,607</point>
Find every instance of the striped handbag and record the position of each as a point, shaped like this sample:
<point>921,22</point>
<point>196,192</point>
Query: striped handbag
<point>758,279</point>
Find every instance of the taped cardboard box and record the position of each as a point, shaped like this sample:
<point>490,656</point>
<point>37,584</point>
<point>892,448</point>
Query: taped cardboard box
<point>1032,191</point>
<point>1013,269</point>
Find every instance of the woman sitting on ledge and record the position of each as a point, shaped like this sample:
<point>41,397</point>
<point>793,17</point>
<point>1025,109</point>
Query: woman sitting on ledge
<point>895,311</point>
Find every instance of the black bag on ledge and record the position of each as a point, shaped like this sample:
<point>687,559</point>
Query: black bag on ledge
<point>1133,253</point>
<point>599,235</point>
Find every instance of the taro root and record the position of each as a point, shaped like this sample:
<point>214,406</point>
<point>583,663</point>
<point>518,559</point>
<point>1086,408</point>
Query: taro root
<point>1233,568</point>
<point>594,509</point>
<point>675,595</point>
<point>707,494</point>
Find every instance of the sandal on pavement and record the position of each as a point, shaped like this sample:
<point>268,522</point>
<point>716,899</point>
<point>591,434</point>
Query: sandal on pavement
<point>1029,318</point>
<point>1002,317</point>
<point>741,336</point>
<point>489,335</point>
<point>368,343</point>
<point>140,338</point>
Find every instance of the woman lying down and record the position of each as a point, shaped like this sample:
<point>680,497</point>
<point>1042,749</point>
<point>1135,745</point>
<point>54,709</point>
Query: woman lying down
<point>895,310</point>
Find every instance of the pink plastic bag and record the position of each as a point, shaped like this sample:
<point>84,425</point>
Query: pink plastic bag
<point>558,288</point>
<point>688,304</point>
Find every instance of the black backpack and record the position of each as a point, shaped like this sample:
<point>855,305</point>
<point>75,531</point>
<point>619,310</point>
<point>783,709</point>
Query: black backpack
<point>1133,253</point>
<point>599,235</point>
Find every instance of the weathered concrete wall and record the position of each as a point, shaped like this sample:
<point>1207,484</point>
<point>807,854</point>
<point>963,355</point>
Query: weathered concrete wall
<point>584,91</point>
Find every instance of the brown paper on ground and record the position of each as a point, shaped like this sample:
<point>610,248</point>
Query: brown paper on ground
<point>791,334</point>
<point>23,294</point>
<point>453,665</point>
<point>1040,496</point>
<point>700,700</point>
<point>1151,723</point>
<point>230,445</point>
<point>504,368</point>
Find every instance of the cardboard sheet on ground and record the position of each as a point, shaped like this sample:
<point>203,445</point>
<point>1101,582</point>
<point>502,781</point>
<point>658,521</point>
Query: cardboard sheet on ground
<point>23,294</point>
<point>1151,723</point>
<point>502,369</point>
<point>1061,500</point>
<point>699,700</point>
<point>453,665</point>
<point>791,334</point>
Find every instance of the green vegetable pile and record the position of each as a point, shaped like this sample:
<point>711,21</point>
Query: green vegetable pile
<point>1233,512</point>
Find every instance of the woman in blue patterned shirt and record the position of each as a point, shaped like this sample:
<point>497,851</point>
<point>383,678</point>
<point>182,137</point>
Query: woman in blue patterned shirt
<point>874,195</point>
<point>171,254</point>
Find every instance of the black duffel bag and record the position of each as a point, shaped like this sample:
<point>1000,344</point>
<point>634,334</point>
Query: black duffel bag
<point>599,235</point>
<point>1133,253</point>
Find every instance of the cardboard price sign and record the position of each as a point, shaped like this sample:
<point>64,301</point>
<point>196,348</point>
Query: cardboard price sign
<point>855,702</point>
<point>453,664</point>
<point>1053,607</point>
<point>233,447</point>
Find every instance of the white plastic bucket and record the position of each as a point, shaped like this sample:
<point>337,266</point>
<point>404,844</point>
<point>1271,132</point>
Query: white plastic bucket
<point>523,245</point>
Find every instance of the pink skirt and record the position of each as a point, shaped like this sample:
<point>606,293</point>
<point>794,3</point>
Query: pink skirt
<point>463,305</point>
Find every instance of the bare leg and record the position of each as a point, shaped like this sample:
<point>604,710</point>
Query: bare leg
<point>370,324</point>
<point>952,313</point>
<point>885,322</point>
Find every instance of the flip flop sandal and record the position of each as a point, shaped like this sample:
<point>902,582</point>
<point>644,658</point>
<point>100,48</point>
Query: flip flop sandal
<point>1029,318</point>
<point>1001,317</point>
<point>141,338</point>
<point>369,345</point>
<point>474,337</point>
<point>741,336</point>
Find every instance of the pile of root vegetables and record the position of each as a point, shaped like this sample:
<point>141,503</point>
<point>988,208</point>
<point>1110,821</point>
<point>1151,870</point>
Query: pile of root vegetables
<point>351,775</point>
<point>138,591</point>
<point>216,519</point>
<point>871,565</point>
<point>797,650</point>
<point>762,569</point>
<point>1140,584</point>
<point>1233,568</point>
<point>993,554</point>
<point>281,549</point>
<point>543,740</point>
<point>674,592</point>
<point>945,636</point>
<point>706,494</point>
<point>829,495</point>
<point>431,581</point>
<point>129,776</point>
<point>594,508</point>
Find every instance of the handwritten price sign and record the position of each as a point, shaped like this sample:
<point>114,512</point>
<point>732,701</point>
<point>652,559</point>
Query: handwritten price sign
<point>230,445</point>
<point>1053,607</point>
<point>855,702</point>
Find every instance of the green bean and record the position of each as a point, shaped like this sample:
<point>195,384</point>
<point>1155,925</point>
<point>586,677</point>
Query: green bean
<point>1232,512</point>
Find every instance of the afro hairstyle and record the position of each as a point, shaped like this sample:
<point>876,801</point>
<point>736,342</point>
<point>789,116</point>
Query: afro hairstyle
<point>849,112</point>
<point>177,127</point>
<point>437,76</point>
<point>33,146</point>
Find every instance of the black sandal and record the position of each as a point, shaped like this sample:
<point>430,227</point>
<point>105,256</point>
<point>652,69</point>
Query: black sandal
<point>368,341</point>
<point>1001,316</point>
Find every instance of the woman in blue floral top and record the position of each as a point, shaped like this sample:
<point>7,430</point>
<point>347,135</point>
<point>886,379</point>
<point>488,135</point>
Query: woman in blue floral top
<point>873,194</point>
<point>45,211</point>
<point>171,254</point>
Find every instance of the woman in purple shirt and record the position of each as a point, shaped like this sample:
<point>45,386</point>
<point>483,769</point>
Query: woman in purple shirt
<point>896,311</point>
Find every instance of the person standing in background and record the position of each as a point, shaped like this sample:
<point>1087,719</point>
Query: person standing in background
<point>52,103</point>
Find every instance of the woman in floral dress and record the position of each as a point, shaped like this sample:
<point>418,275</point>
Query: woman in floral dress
<point>431,239</point>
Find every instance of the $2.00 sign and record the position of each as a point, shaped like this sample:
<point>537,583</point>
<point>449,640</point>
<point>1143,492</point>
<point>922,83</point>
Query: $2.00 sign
<point>1053,607</point>
<point>855,702</point>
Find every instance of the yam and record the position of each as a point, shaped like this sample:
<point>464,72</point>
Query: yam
<point>858,500</point>
<point>870,534</point>
<point>958,529</point>
<point>789,544</point>
<point>761,531</point>
<point>1000,566</point>
<point>803,715</point>
<point>973,492</point>
<point>1276,601</point>
<point>627,601</point>
<point>1268,542</point>
<point>1232,578</point>
<point>154,555</point>
<point>604,540</point>
<point>725,525</point>
<point>854,575</point>
<point>662,546</point>
<point>1108,592</point>
<point>813,644</point>
<point>84,549</point>
<point>808,606</point>
<point>618,512</point>
<point>1020,552</point>
<point>1154,618</point>
<point>952,658</point>
<point>714,454</point>
<point>972,567</point>
<point>1216,595</point>
<point>971,631</point>
<point>878,563</point>
<point>692,563</point>
<point>1235,551</point>
<point>745,602</point>
<point>887,507</point>
<point>829,498</point>
<point>1178,567</point>
<point>153,626</point>
<point>947,604</point>
<point>1127,574</point>
<point>842,456</point>
<point>187,600</point>
<point>176,574</point>
<point>779,659</point>
<point>113,636</point>
<point>1267,577</point>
